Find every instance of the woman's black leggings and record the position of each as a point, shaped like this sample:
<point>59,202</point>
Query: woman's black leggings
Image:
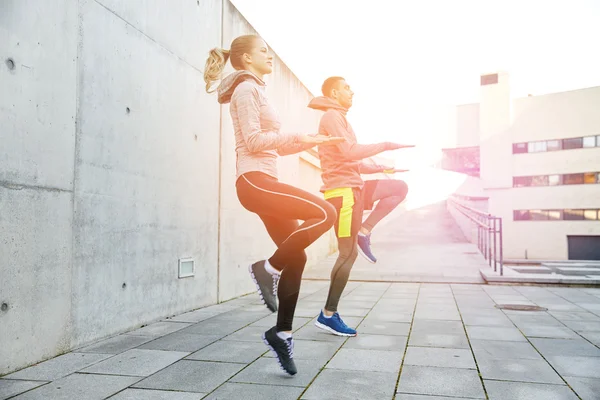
<point>280,206</point>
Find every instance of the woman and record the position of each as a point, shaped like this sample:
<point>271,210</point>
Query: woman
<point>279,206</point>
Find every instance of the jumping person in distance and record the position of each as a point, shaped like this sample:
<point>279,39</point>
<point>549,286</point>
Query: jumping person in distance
<point>344,188</point>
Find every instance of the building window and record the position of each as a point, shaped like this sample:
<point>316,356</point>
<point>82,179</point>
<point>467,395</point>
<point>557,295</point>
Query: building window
<point>519,148</point>
<point>540,180</point>
<point>536,147</point>
<point>573,215</point>
<point>490,79</point>
<point>572,143</point>
<point>521,181</point>
<point>554,145</point>
<point>572,179</point>
<point>589,141</point>
<point>554,180</point>
<point>590,177</point>
<point>557,215</point>
<point>538,215</point>
<point>521,215</point>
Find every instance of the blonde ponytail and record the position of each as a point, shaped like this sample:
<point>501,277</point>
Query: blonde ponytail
<point>215,64</point>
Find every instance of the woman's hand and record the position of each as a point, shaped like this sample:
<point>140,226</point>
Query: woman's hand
<point>322,139</point>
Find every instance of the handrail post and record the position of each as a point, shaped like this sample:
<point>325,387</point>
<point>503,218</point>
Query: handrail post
<point>495,248</point>
<point>501,251</point>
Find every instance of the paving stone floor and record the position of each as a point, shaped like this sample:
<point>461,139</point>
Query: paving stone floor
<point>415,342</point>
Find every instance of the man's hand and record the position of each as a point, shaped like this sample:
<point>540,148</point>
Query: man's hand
<point>394,146</point>
<point>394,170</point>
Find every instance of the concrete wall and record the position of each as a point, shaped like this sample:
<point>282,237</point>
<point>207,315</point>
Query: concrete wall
<point>243,238</point>
<point>110,170</point>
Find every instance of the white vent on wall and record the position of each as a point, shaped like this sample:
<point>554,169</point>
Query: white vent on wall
<point>186,267</point>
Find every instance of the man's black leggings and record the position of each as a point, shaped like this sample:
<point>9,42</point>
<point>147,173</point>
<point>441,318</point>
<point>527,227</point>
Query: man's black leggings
<point>280,206</point>
<point>350,204</point>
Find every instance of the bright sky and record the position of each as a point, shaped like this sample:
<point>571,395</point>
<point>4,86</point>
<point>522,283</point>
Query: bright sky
<point>408,61</point>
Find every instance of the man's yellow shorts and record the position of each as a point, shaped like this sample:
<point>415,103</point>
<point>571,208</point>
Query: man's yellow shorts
<point>349,206</point>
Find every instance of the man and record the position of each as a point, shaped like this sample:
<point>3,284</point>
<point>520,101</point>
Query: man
<point>344,188</point>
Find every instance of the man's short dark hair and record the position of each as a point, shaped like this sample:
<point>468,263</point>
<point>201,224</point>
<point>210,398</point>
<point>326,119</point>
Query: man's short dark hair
<point>330,84</point>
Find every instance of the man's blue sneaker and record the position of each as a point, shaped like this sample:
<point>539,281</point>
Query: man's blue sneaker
<point>364,248</point>
<point>334,325</point>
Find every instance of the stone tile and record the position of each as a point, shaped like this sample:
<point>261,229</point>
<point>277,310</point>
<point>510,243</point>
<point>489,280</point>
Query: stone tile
<point>439,357</point>
<point>244,316</point>
<point>593,337</point>
<point>495,333</point>
<point>534,371</point>
<point>247,334</point>
<point>376,327</point>
<point>80,386</point>
<point>498,390</point>
<point>352,385</point>
<point>215,327</point>
<point>195,316</point>
<point>478,320</point>
<point>404,396</point>
<point>353,312</point>
<point>565,347</point>
<point>574,316</point>
<point>255,392</point>
<point>311,332</point>
<point>348,304</point>
<point>376,342</point>
<point>366,360</point>
<point>586,388</point>
<point>191,376</point>
<point>585,367</point>
<point>230,351</point>
<point>432,326</point>
<point>145,394</point>
<point>9,388</point>
<point>271,320</point>
<point>181,341</point>
<point>436,300</point>
<point>311,350</point>
<point>561,307</point>
<point>440,382</point>
<point>534,320</point>
<point>492,349</point>
<point>438,340</point>
<point>554,332</point>
<point>58,367</point>
<point>438,314</point>
<point>266,371</point>
<point>136,362</point>
<point>395,316</point>
<point>583,326</point>
<point>391,304</point>
<point>159,329</point>
<point>399,295</point>
<point>116,345</point>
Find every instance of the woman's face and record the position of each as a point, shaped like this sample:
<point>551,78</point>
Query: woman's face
<point>259,60</point>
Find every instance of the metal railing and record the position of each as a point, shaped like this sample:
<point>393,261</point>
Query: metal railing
<point>489,233</point>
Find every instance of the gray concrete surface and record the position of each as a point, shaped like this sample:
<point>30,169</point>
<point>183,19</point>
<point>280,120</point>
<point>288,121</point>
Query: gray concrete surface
<point>485,353</point>
<point>417,245</point>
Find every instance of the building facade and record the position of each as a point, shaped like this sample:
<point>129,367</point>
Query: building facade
<point>539,166</point>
